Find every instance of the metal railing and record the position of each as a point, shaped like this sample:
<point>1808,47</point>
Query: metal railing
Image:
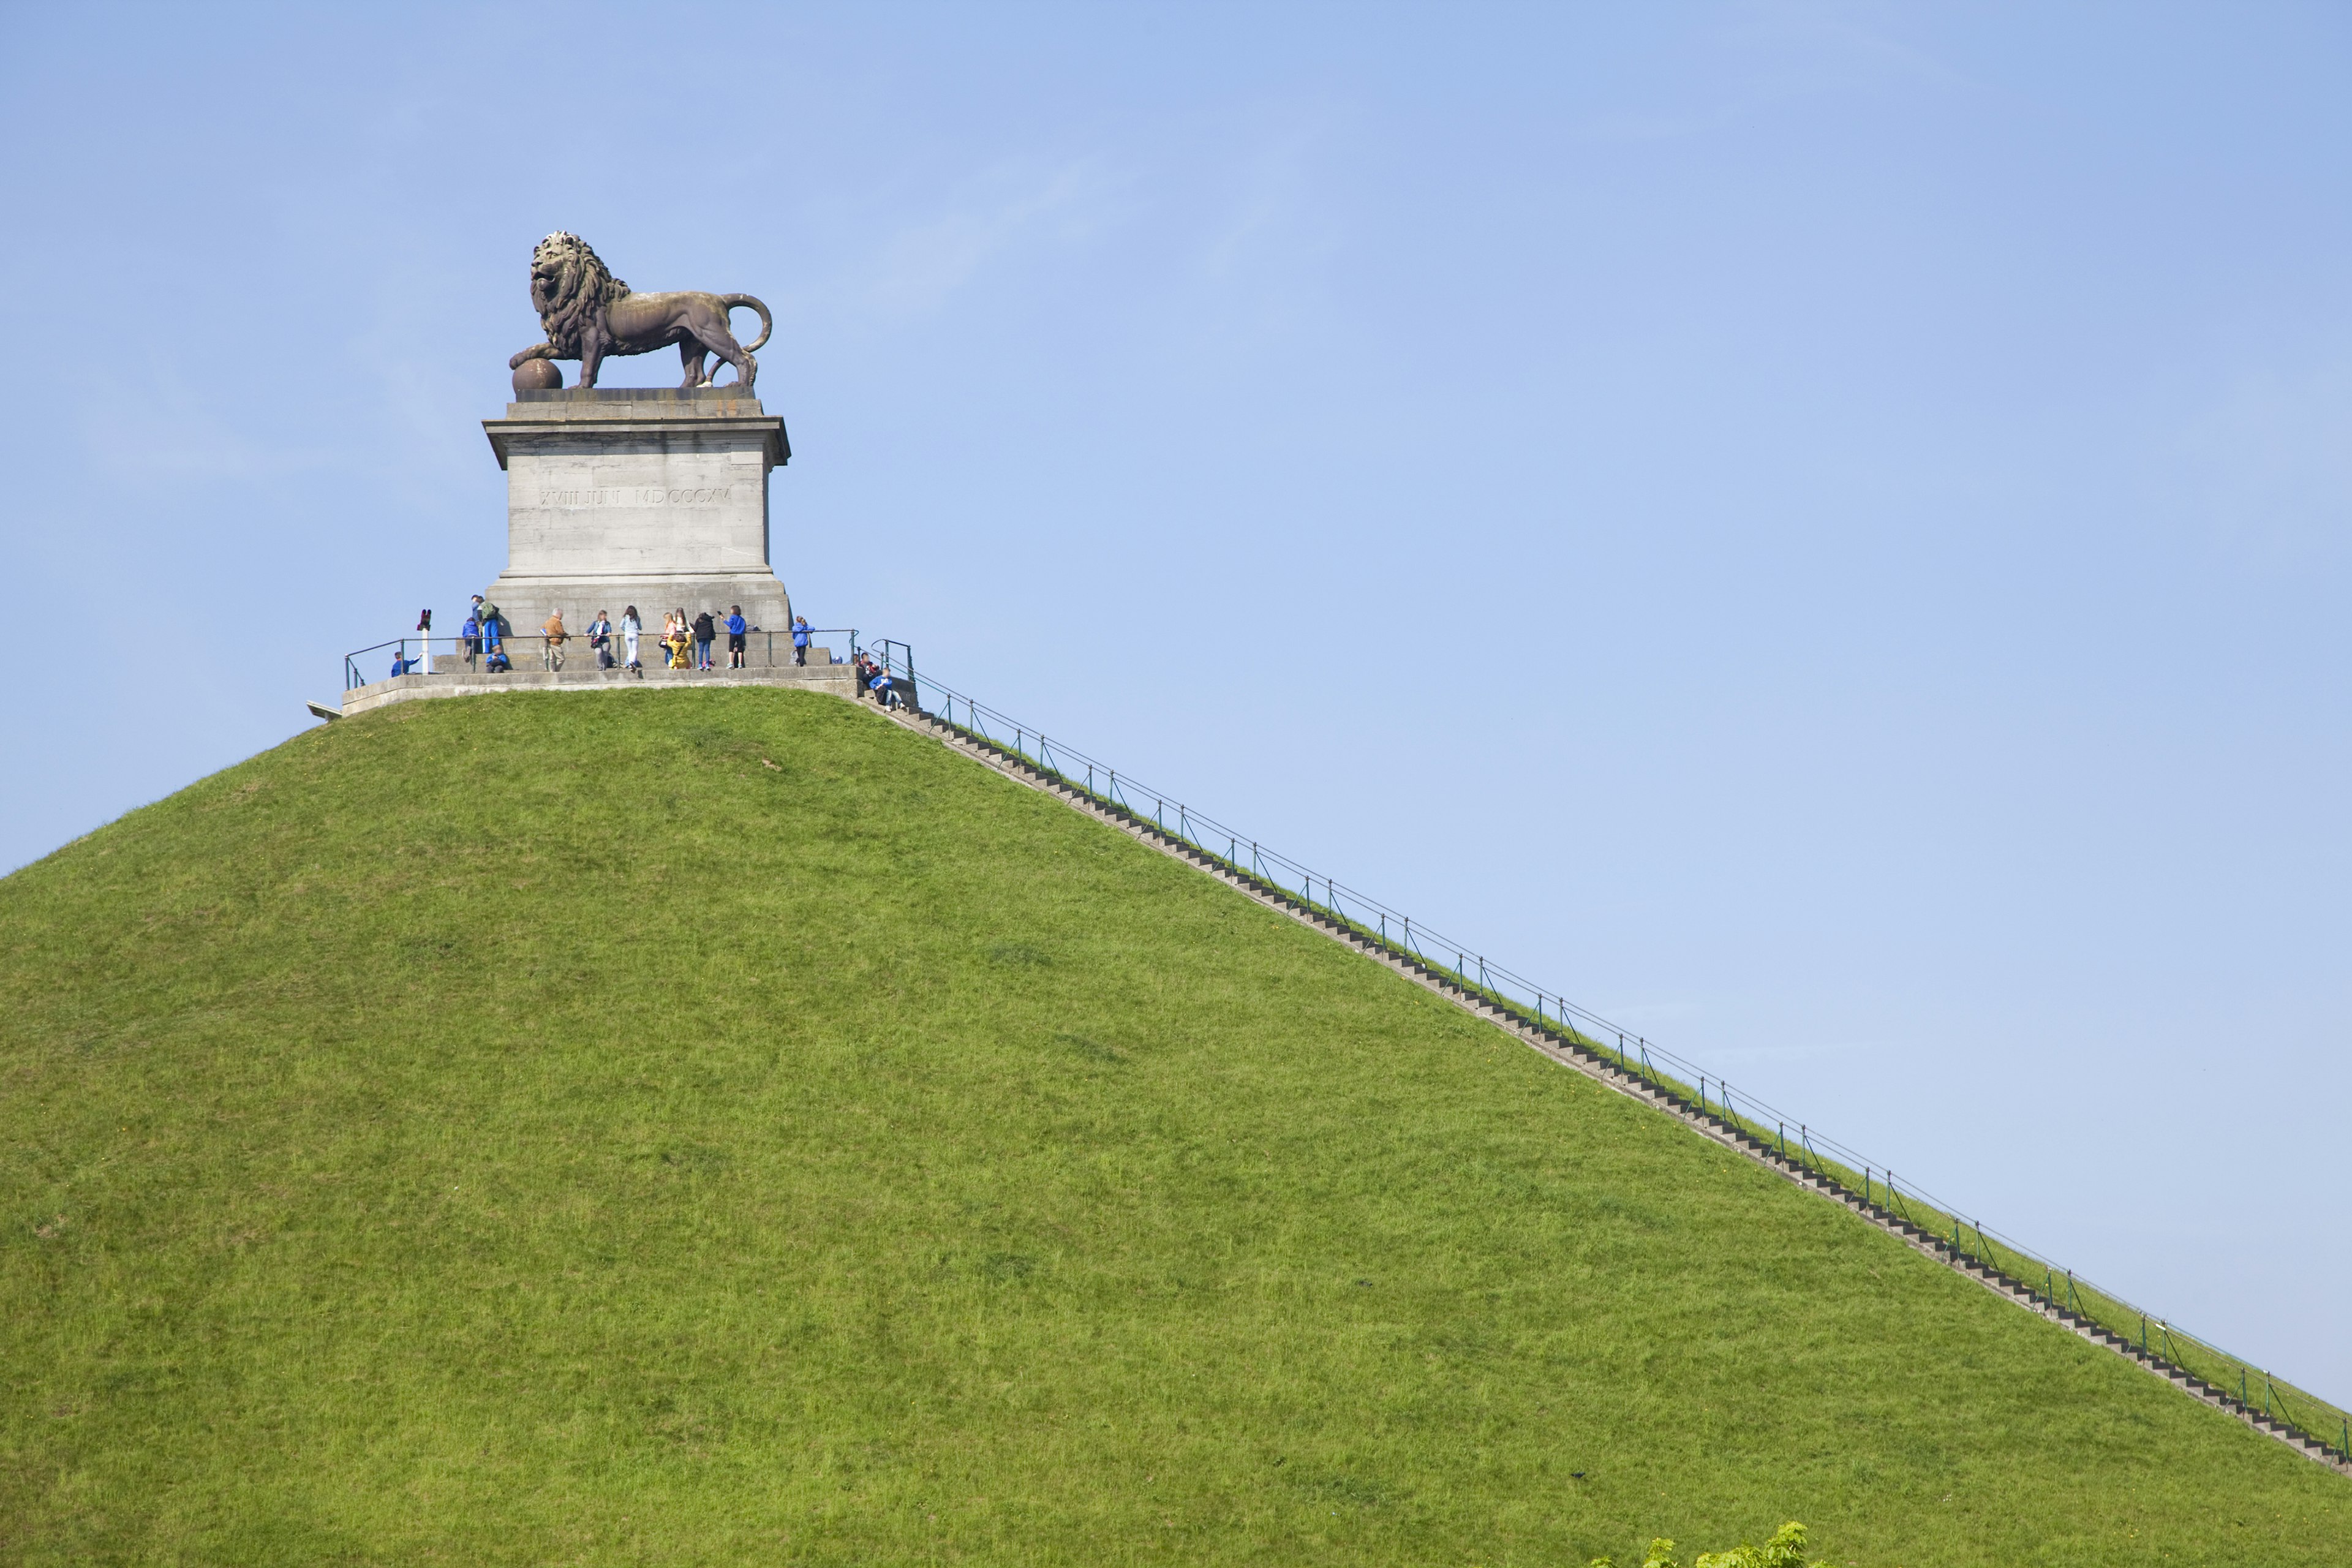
<point>414,654</point>
<point>1949,1227</point>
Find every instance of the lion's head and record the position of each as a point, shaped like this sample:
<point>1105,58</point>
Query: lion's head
<point>569,284</point>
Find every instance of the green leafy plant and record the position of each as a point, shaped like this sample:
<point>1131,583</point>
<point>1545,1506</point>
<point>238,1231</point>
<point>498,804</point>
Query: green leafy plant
<point>1785,1550</point>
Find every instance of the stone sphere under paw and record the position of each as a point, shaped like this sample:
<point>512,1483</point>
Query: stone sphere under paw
<point>537,375</point>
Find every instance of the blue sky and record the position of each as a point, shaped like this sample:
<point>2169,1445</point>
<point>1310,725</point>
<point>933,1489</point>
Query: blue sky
<point>1820,530</point>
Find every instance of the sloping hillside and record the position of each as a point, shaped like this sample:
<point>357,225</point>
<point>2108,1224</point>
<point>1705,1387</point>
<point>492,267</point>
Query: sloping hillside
<point>722,1127</point>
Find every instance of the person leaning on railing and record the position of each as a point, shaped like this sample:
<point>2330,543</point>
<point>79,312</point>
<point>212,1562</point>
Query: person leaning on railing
<point>556,638</point>
<point>600,640</point>
<point>800,639</point>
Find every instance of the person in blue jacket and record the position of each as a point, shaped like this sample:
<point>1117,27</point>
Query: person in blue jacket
<point>736,627</point>
<point>493,640</point>
<point>800,639</point>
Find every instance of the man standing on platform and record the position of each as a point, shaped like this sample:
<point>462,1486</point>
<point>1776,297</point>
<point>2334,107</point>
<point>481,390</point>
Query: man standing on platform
<point>736,627</point>
<point>800,639</point>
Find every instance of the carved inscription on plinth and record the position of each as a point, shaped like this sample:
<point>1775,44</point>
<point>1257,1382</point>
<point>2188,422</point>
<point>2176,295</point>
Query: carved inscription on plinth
<point>703,495</point>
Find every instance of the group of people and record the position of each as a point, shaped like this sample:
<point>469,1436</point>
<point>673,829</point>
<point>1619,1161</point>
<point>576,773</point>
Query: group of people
<point>485,634</point>
<point>876,676</point>
<point>685,644</point>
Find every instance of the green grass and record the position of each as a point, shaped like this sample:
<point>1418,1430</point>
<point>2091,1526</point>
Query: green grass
<point>535,1130</point>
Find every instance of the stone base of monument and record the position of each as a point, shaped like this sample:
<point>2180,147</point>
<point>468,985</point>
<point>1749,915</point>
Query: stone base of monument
<point>655,496</point>
<point>580,674</point>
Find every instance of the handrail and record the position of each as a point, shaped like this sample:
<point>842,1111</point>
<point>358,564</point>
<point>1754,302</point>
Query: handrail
<point>1829,1160</point>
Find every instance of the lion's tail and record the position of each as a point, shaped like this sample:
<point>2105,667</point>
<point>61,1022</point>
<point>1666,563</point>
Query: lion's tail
<point>767,322</point>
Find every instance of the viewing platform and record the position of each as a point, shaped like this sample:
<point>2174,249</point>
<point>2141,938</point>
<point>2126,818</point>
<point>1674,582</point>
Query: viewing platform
<point>767,661</point>
<point>837,679</point>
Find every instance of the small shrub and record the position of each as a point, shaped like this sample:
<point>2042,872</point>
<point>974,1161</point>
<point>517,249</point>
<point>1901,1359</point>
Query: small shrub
<point>1785,1550</point>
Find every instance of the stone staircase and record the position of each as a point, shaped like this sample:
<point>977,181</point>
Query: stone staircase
<point>1603,1067</point>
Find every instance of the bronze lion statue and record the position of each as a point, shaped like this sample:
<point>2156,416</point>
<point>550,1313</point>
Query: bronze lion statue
<point>588,313</point>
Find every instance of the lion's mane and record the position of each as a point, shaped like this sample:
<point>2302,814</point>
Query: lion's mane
<point>582,286</point>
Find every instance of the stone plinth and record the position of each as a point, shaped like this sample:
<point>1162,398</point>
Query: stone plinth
<point>644,496</point>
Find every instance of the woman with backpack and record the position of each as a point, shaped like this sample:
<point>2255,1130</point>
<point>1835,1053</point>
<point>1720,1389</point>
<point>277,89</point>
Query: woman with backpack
<point>600,640</point>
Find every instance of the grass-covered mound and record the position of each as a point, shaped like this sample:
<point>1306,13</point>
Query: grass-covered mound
<point>720,1127</point>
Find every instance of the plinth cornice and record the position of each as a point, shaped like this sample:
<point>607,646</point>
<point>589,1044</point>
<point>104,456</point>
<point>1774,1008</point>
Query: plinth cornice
<point>768,426</point>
